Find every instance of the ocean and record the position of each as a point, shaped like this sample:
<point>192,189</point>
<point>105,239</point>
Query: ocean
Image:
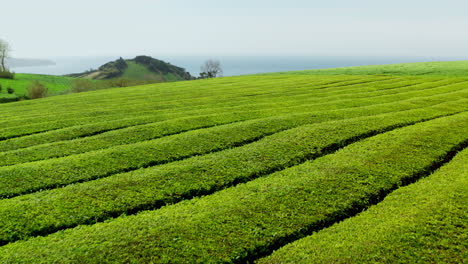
<point>232,65</point>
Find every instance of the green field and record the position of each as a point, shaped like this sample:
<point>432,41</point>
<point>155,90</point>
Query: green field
<point>55,84</point>
<point>447,68</point>
<point>301,167</point>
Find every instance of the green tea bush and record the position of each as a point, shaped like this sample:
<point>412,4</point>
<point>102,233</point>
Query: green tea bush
<point>223,170</point>
<point>195,176</point>
<point>421,223</point>
<point>245,221</point>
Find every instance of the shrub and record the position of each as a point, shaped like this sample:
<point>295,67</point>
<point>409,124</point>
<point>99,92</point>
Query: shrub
<point>1,88</point>
<point>7,75</point>
<point>82,85</point>
<point>10,90</point>
<point>120,83</point>
<point>36,90</point>
<point>9,100</point>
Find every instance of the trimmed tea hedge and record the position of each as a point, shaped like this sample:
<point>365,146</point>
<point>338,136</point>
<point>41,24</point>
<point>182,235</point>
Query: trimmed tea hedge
<point>423,222</point>
<point>240,223</point>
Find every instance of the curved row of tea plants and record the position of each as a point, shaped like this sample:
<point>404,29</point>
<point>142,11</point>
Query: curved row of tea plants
<point>248,220</point>
<point>423,222</point>
<point>29,177</point>
<point>113,111</point>
<point>198,92</point>
<point>151,131</point>
<point>149,117</point>
<point>152,187</point>
<point>219,170</point>
<point>85,114</point>
<point>116,110</point>
<point>426,88</point>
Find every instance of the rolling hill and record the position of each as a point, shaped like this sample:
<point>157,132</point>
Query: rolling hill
<point>359,165</point>
<point>140,68</point>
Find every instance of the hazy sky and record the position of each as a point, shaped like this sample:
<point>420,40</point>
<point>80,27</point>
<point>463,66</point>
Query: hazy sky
<point>50,28</point>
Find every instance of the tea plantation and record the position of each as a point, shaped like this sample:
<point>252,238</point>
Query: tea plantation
<point>351,165</point>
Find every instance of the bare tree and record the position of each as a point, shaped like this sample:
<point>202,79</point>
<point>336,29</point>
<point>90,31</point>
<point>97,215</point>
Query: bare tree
<point>4,53</point>
<point>211,69</point>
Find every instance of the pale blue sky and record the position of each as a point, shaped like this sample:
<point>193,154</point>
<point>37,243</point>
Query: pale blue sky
<point>50,28</point>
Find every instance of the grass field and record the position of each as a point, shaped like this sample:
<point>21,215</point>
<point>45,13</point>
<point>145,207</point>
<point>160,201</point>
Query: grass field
<point>137,71</point>
<point>300,167</point>
<point>57,85</point>
<point>54,84</point>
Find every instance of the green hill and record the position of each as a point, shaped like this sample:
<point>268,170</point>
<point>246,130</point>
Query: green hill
<point>273,168</point>
<point>121,72</point>
<point>140,68</point>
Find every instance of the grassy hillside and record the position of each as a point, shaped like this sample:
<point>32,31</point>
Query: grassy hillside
<point>229,170</point>
<point>141,68</point>
<point>54,84</point>
<point>139,72</point>
<point>446,68</point>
